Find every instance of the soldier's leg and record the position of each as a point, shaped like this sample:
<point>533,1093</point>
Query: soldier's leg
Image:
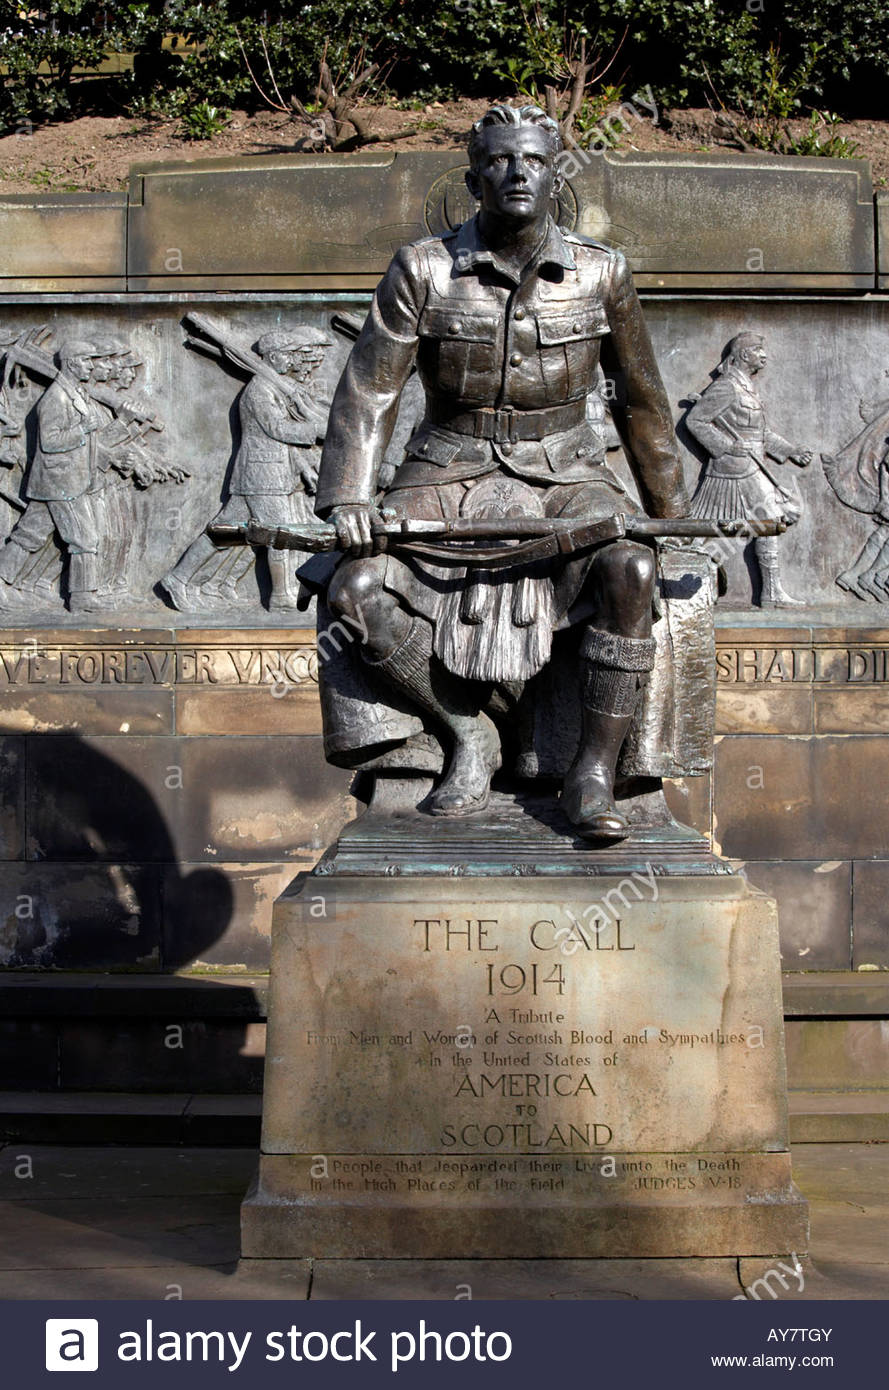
<point>75,522</point>
<point>615,657</point>
<point>398,645</point>
<point>30,533</point>
<point>182,581</point>
<point>275,509</point>
<point>773,595</point>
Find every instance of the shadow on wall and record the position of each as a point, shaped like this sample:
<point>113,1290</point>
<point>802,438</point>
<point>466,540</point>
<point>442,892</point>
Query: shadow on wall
<point>103,891</point>
<point>101,887</point>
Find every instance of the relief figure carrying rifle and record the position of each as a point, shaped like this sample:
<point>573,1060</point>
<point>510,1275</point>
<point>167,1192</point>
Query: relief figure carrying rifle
<point>273,475</point>
<point>739,478</point>
<point>505,320</point>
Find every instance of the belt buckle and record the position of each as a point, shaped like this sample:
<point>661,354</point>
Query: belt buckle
<point>504,424</point>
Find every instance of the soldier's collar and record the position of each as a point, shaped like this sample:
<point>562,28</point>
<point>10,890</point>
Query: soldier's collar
<point>738,374</point>
<point>470,250</point>
<point>76,391</point>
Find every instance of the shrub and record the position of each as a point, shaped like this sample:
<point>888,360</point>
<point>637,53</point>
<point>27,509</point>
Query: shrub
<point>683,49</point>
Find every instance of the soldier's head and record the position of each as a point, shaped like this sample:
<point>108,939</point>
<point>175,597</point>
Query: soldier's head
<point>105,355</point>
<point>297,351</point>
<point>747,351</point>
<point>76,358</point>
<point>128,365</point>
<point>513,163</point>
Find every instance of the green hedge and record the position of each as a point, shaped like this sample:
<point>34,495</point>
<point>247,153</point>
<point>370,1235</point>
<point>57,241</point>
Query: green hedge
<point>686,50</point>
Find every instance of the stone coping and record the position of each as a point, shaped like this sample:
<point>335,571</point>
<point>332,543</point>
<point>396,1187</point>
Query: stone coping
<point>302,222</point>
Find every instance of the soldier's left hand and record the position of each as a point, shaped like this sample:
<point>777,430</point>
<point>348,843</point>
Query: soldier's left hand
<point>802,459</point>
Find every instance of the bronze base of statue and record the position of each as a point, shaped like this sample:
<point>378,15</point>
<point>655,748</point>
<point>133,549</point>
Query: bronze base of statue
<point>521,831</point>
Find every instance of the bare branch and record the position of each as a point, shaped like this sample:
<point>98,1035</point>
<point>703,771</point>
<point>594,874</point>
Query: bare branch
<point>268,63</point>
<point>265,98</point>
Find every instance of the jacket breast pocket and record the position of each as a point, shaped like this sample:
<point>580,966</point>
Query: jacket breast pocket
<point>569,350</point>
<point>457,350</point>
<point>433,446</point>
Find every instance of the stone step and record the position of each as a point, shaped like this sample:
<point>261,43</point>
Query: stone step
<point>838,1117</point>
<point>97,1117</point>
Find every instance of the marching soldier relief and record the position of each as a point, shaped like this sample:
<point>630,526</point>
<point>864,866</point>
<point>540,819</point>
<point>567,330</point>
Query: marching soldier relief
<point>275,468</point>
<point>93,442</point>
<point>126,439</point>
<point>859,475</point>
<point>739,478</point>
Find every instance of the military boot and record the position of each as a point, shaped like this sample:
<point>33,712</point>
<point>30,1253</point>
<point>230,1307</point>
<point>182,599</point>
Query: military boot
<point>614,669</point>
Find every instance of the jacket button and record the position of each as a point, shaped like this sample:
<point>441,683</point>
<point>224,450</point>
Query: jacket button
<point>455,326</point>
<point>580,453</point>
<point>519,314</point>
<point>516,359</point>
<point>423,449</point>
<point>506,449</point>
<point>575,328</point>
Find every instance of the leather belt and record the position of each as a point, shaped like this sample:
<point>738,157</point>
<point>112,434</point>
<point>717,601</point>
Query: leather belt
<point>507,425</point>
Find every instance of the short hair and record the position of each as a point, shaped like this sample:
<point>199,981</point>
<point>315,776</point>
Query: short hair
<point>502,114</point>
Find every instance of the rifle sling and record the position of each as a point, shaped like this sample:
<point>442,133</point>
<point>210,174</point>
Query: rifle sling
<point>500,556</point>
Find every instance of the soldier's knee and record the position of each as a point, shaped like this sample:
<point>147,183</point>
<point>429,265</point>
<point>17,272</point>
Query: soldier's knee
<point>356,587</point>
<point>630,568</point>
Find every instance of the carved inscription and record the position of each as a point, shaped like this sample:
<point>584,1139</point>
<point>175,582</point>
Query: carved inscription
<point>32,664</point>
<point>614,1175</point>
<point>528,1068</point>
<point>802,665</point>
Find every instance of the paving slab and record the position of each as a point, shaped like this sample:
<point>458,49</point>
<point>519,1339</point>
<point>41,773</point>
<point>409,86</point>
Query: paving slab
<point>126,1231</point>
<point>187,1282</point>
<point>454,1280</point>
<point>821,1281</point>
<point>116,1223</point>
<point>101,1172</point>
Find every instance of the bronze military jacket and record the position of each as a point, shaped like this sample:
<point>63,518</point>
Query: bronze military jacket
<point>497,359</point>
<point>730,423</point>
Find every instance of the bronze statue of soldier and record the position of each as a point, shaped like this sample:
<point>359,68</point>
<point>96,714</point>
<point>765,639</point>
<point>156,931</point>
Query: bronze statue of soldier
<point>505,320</point>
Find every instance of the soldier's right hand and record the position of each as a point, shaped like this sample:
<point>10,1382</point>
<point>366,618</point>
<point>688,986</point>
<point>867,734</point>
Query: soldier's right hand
<point>354,525</point>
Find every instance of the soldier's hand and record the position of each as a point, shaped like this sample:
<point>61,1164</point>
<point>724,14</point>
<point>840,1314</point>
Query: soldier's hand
<point>354,528</point>
<point>802,459</point>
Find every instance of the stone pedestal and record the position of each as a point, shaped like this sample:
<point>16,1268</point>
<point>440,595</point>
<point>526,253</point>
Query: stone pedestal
<point>527,1066</point>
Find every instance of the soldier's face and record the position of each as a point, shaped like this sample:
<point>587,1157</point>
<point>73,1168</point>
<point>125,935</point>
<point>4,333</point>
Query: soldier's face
<point>517,176</point>
<point>304,361</point>
<point>755,358</point>
<point>79,367</point>
<point>280,361</point>
<point>102,369</point>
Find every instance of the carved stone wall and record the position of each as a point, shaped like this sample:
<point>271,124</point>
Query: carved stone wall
<point>164,767</point>
<point>162,772</point>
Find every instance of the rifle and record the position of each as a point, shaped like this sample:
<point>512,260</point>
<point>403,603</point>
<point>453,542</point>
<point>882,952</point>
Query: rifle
<point>539,537</point>
<point>221,345</point>
<point>129,412</point>
<point>347,325</point>
<point>751,452</point>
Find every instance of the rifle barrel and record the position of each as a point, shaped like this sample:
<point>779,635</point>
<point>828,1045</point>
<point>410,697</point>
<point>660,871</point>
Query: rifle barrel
<point>321,535</point>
